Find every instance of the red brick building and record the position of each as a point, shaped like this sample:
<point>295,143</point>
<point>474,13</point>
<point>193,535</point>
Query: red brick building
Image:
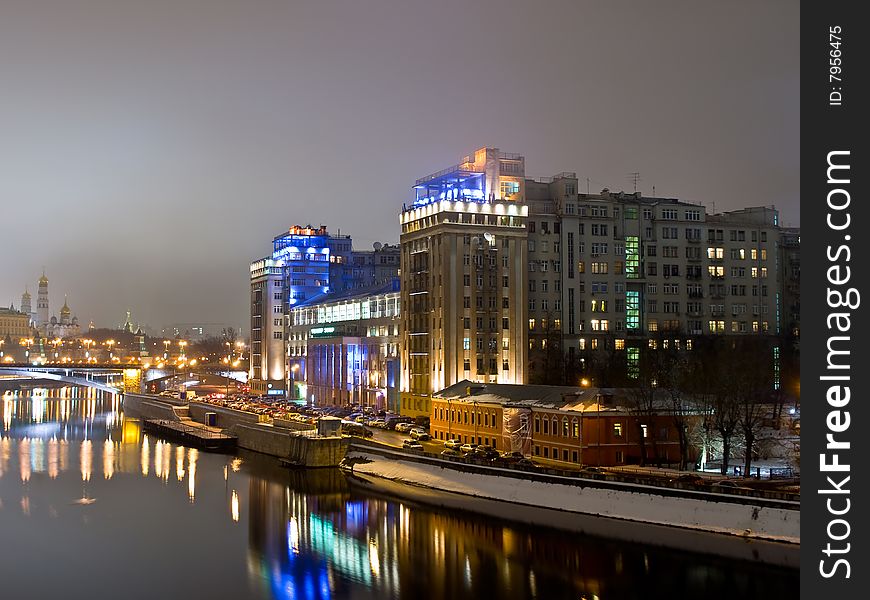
<point>561,423</point>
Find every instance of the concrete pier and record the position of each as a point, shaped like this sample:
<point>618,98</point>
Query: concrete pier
<point>295,443</point>
<point>298,449</point>
<point>191,433</point>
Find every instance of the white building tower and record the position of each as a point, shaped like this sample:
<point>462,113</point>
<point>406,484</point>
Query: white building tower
<point>25,305</point>
<point>42,302</point>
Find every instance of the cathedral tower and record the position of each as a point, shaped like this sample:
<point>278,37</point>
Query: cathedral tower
<point>42,302</point>
<point>25,305</point>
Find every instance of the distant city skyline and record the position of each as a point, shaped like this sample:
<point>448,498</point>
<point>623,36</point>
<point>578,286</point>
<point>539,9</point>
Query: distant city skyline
<point>149,148</point>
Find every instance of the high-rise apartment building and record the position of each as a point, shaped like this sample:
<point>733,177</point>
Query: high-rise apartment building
<point>463,283</point>
<point>267,327</point>
<point>614,272</point>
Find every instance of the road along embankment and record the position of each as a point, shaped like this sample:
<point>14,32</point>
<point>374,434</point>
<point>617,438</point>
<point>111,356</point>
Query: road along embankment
<point>751,528</point>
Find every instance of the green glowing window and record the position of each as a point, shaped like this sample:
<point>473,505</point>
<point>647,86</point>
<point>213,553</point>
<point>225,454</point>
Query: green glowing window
<point>632,310</point>
<point>632,257</point>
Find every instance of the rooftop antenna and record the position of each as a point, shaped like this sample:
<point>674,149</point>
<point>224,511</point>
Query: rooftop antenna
<point>654,191</point>
<point>587,186</point>
<point>635,177</point>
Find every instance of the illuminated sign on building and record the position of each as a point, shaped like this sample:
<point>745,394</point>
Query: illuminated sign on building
<point>318,332</point>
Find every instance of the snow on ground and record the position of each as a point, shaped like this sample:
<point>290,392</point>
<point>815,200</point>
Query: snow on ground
<point>622,501</point>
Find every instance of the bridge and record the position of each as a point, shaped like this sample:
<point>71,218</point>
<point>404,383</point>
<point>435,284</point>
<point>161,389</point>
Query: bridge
<point>98,376</point>
<point>101,375</point>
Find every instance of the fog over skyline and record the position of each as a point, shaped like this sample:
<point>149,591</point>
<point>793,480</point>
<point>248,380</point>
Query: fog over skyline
<point>151,150</point>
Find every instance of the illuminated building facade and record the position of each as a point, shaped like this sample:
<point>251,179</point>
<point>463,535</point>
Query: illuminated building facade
<point>14,324</point>
<point>267,327</point>
<point>558,423</point>
<point>66,326</point>
<point>618,273</point>
<point>308,265</point>
<point>344,350</point>
<point>463,294</point>
<point>304,255</point>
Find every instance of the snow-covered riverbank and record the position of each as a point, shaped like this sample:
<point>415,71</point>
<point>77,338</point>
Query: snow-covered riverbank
<point>750,528</point>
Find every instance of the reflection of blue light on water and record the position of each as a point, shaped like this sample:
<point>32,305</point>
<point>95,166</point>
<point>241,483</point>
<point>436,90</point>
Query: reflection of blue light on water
<point>40,430</point>
<point>325,592</point>
<point>308,580</point>
<point>309,587</point>
<point>357,514</point>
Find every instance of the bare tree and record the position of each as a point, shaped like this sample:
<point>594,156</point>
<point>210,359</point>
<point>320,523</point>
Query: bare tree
<point>702,376</point>
<point>752,385</point>
<point>643,403</point>
<point>726,416</point>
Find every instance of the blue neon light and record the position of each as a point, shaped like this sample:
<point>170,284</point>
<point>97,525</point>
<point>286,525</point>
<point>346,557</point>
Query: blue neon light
<point>464,194</point>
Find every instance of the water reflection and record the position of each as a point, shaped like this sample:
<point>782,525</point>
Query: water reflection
<point>260,531</point>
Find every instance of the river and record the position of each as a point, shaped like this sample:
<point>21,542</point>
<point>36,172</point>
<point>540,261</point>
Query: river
<point>92,508</point>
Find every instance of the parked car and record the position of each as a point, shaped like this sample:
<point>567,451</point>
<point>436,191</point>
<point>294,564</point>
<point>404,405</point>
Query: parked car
<point>419,434</point>
<point>393,421</point>
<point>727,483</point>
<point>404,427</point>
<point>452,452</point>
<point>466,448</point>
<point>357,429</point>
<point>485,452</point>
<point>452,444</point>
<point>379,423</point>
<point>412,445</point>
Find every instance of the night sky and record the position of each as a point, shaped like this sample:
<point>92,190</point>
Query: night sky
<point>150,150</point>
